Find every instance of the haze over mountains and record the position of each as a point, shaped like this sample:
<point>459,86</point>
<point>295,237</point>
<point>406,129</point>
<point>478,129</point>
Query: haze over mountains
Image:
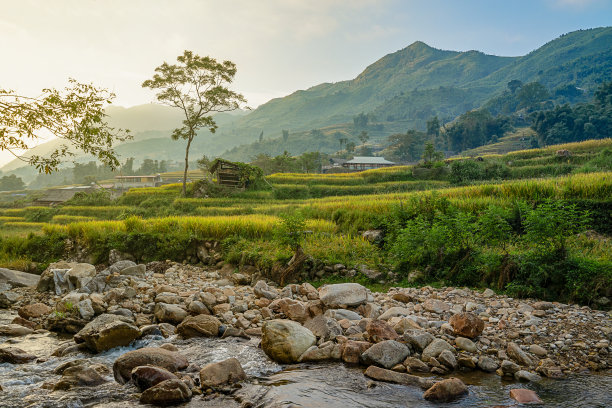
<point>402,90</point>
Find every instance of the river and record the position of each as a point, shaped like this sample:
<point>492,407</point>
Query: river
<point>269,384</point>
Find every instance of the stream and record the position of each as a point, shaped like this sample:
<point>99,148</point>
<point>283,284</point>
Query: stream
<point>269,384</point>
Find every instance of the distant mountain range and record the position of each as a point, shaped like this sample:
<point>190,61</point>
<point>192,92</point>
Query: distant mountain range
<point>402,90</point>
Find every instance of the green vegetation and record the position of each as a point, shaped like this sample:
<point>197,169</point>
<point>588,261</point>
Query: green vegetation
<point>531,223</point>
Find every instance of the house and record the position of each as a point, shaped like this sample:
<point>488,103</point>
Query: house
<point>54,196</point>
<point>124,182</point>
<point>359,163</point>
<point>227,173</point>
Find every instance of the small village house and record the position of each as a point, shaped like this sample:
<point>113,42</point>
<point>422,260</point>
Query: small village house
<point>359,163</point>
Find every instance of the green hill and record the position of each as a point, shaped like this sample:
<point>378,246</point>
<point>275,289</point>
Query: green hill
<point>402,90</point>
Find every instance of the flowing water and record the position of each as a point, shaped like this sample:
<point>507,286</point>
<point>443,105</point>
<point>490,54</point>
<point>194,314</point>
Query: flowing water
<point>269,384</point>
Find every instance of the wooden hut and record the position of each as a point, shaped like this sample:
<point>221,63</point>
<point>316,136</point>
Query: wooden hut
<point>227,173</point>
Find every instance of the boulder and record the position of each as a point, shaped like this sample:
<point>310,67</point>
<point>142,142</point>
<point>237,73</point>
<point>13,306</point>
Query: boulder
<point>436,306</point>
<point>327,351</point>
<point>524,375</point>
<point>465,344</point>
<point>145,377</point>
<point>107,331</point>
<point>524,396</point>
<point>487,364</point>
<point>224,372</point>
<point>434,349</point>
<point>446,390</point>
<point>262,290</point>
<point>34,311</point>
<point>518,355</point>
<point>7,299</point>
<point>414,364</point>
<point>352,350</point>
<point>18,279</point>
<point>136,270</point>
<point>153,356</point>
<point>448,359</point>
<point>467,325</point>
<point>340,314</point>
<point>395,311</point>
<point>419,339</point>
<point>86,309</point>
<point>168,392</point>
<point>199,326</point>
<point>15,355</point>
<point>538,350</point>
<point>379,330</point>
<point>120,266</point>
<point>344,294</point>
<point>169,313</point>
<point>386,354</point>
<point>509,368</point>
<point>285,340</point>
<point>62,277</point>
<point>14,330</point>
<point>381,374</point>
<point>79,376</point>
<point>324,327</point>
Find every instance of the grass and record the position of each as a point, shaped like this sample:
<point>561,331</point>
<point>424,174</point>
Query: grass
<point>156,223</point>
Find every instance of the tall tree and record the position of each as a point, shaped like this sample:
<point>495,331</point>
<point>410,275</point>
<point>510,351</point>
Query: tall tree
<point>433,126</point>
<point>74,115</point>
<point>12,182</point>
<point>363,136</point>
<point>198,86</point>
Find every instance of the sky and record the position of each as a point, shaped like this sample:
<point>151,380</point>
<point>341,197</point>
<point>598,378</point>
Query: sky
<point>279,46</point>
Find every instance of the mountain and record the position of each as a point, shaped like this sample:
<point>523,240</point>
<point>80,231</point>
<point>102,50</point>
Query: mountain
<point>402,90</point>
<point>413,84</point>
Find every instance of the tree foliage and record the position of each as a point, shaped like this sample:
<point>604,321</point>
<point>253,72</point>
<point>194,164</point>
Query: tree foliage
<point>198,86</point>
<point>11,183</point>
<point>573,124</point>
<point>74,114</point>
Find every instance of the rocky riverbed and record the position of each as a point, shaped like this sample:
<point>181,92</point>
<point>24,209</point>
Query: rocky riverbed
<point>167,333</point>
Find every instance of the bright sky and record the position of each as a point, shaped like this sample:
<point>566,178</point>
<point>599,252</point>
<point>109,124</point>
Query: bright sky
<point>279,46</point>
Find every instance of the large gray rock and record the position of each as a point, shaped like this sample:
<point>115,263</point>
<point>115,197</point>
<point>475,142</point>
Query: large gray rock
<point>15,355</point>
<point>169,313</point>
<point>224,372</point>
<point>434,349</point>
<point>446,390</point>
<point>79,376</point>
<point>285,340</point>
<point>107,331</point>
<point>169,392</point>
<point>418,339</point>
<point>386,354</point>
<point>63,277</point>
<point>518,355</point>
<point>153,356</point>
<point>199,326</point>
<point>7,299</point>
<point>394,312</point>
<point>262,290</point>
<point>345,294</point>
<point>145,377</point>
<point>18,279</point>
<point>381,374</point>
<point>324,327</point>
<point>119,266</point>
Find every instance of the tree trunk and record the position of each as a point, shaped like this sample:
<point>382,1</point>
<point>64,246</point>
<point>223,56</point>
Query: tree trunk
<point>186,165</point>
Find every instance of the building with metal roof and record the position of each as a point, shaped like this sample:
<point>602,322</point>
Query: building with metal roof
<point>367,162</point>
